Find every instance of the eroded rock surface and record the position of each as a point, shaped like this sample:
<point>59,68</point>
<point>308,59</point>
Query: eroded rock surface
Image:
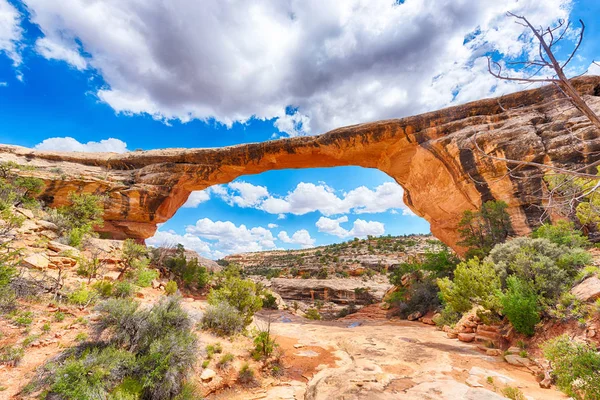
<point>431,155</point>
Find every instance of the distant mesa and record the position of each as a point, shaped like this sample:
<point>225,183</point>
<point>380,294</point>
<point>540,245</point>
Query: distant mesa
<point>431,155</point>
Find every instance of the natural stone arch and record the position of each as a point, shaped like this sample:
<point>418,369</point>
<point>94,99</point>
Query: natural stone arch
<point>430,155</point>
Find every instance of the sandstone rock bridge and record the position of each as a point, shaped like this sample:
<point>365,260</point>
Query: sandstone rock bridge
<point>432,156</point>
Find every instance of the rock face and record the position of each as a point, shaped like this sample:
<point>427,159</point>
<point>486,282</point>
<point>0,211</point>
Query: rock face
<point>340,291</point>
<point>588,290</point>
<point>431,155</point>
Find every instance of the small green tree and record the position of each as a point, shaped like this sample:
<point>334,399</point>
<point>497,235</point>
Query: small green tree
<point>131,254</point>
<point>474,282</point>
<point>481,230</point>
<point>520,305</point>
<point>242,294</point>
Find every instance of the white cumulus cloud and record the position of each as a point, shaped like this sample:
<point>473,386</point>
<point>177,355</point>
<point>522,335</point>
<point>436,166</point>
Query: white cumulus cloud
<point>310,65</point>
<point>170,238</point>
<point>360,228</point>
<point>230,238</point>
<point>309,197</point>
<point>301,237</point>
<point>71,144</point>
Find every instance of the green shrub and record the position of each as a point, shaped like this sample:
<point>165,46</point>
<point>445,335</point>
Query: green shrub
<point>46,328</point>
<point>547,267</point>
<point>191,273</point>
<point>11,355</point>
<point>24,318</point>
<point>84,210</point>
<point>134,256</point>
<point>447,316</point>
<point>264,345</point>
<point>239,293</point>
<point>576,367</point>
<point>223,319</point>
<point>312,313</point>
<point>104,288</point>
<point>82,296</point>
<point>520,305</point>
<point>474,282</point>
<point>59,316</point>
<point>145,276</point>
<point>269,301</point>
<point>246,375</point>
<point>513,393</point>
<point>171,288</point>
<point>422,296</point>
<point>123,289</point>
<point>562,233</point>
<point>225,360</point>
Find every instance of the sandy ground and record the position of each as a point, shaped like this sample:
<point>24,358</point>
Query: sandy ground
<point>385,360</point>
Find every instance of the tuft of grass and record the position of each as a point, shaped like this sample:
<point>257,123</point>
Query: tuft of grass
<point>246,374</point>
<point>513,393</point>
<point>225,360</point>
<point>59,316</point>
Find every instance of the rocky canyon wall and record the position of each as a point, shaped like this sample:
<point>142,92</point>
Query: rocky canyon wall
<point>431,155</point>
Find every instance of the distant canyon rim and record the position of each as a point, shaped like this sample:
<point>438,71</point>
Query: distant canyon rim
<point>432,156</point>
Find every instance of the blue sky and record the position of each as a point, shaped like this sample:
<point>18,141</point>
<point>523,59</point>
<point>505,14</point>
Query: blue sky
<point>119,76</point>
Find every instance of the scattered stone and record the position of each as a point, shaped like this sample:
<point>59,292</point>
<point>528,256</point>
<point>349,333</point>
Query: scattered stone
<point>466,337</point>
<point>493,352</point>
<point>451,335</point>
<point>513,350</point>
<point>473,381</point>
<point>588,290</point>
<point>25,212</point>
<point>428,321</point>
<point>37,261</point>
<point>519,361</point>
<point>208,375</point>
<point>63,248</point>
<point>298,345</point>
<point>414,316</point>
<point>46,225</point>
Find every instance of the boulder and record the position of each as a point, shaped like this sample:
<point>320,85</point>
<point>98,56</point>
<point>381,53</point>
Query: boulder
<point>588,290</point>
<point>63,248</point>
<point>46,225</point>
<point>414,316</point>
<point>519,361</point>
<point>466,337</point>
<point>208,375</point>
<point>37,261</point>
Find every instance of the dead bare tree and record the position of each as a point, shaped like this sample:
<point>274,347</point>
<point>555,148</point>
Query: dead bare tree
<point>546,62</point>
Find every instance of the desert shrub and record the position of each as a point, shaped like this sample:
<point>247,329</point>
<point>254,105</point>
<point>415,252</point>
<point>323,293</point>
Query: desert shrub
<point>246,375</point>
<point>80,216</point>
<point>239,293</point>
<point>213,349</point>
<point>225,360</point>
<point>546,266</point>
<point>82,296</point>
<point>447,316</point>
<point>520,305</point>
<point>123,289</point>
<point>223,319</point>
<point>144,275</point>
<point>264,344</point>
<point>190,272</point>
<point>474,282</point>
<point>269,301</point>
<point>171,288</point>
<point>59,316</point>
<point>513,393</point>
<point>422,296</point>
<point>24,318</point>
<point>322,273</point>
<point>312,313</point>
<point>11,355</point>
<point>104,288</point>
<point>149,350</point>
<point>349,309</point>
<point>576,367</point>
<point>481,230</point>
<point>133,254</point>
<point>7,274</point>
<point>562,233</point>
